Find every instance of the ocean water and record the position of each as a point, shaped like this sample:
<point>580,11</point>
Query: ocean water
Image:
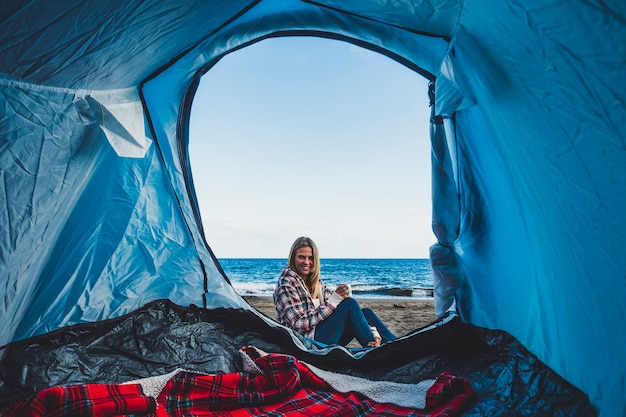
<point>371,278</point>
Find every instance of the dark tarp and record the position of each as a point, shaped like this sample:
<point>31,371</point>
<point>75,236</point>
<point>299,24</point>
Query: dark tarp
<point>160,337</point>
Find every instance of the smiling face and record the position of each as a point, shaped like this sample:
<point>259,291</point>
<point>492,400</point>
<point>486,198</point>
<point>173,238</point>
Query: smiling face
<point>304,262</point>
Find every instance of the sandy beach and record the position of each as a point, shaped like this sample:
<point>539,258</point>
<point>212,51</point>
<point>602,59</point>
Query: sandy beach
<point>402,316</point>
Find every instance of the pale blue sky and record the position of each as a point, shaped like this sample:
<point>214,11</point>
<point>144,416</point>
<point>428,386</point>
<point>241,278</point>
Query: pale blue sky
<point>309,136</point>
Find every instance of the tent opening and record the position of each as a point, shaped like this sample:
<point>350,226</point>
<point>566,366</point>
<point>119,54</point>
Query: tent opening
<point>312,136</point>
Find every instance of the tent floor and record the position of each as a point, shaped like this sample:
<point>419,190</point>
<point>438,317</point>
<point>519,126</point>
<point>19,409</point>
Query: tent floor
<point>161,336</point>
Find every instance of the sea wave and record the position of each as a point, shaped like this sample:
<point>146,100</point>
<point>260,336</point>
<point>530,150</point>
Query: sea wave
<point>368,291</point>
<point>372,278</point>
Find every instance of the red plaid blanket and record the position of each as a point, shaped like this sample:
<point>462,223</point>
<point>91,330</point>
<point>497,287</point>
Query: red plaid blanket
<point>285,387</point>
<point>100,400</point>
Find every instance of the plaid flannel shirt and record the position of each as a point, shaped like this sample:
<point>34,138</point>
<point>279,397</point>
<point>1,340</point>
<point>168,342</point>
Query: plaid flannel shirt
<point>294,305</point>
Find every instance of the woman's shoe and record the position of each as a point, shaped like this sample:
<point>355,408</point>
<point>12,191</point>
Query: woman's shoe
<point>376,342</point>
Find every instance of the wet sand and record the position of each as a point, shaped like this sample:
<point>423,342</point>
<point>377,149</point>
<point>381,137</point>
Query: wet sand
<point>402,316</point>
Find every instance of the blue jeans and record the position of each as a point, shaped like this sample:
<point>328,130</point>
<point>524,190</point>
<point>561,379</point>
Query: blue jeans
<point>348,321</point>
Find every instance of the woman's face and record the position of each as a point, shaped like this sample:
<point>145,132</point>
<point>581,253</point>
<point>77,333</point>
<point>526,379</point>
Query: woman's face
<point>304,261</point>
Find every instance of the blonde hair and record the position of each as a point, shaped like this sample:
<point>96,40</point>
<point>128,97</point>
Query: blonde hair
<point>313,280</point>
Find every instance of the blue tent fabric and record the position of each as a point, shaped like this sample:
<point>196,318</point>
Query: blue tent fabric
<point>98,212</point>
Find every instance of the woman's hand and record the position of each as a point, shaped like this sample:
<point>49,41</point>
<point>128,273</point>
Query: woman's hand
<point>343,290</point>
